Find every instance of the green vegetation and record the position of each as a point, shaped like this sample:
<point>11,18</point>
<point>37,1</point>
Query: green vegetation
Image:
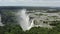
<point>8,16</point>
<point>16,29</point>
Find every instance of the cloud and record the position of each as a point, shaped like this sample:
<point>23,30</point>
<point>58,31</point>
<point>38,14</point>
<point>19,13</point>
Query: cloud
<point>29,2</point>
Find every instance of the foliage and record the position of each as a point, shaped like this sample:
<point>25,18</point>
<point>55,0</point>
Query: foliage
<point>8,16</point>
<point>16,29</point>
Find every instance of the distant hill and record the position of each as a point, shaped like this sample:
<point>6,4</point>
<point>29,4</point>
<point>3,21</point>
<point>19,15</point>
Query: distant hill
<point>26,7</point>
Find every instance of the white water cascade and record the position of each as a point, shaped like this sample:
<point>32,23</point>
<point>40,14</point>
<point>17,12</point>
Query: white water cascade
<point>0,22</point>
<point>23,20</point>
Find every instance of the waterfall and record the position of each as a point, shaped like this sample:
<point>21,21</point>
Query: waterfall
<point>0,22</point>
<point>23,20</point>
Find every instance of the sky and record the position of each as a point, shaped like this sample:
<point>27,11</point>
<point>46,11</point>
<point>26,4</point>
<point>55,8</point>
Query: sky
<point>53,3</point>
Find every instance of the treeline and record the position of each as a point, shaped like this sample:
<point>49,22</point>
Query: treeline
<point>16,29</point>
<point>8,16</point>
